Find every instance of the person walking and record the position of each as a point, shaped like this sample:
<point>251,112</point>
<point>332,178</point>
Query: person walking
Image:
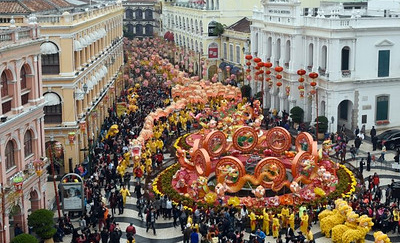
<point>186,233</point>
<point>369,161</point>
<point>124,192</point>
<point>357,143</point>
<point>104,235</point>
<point>353,152</point>
<point>151,220</point>
<point>372,133</point>
<point>361,166</point>
<point>194,236</point>
<point>120,203</point>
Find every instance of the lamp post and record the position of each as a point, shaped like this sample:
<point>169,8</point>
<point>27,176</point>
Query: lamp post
<point>3,212</point>
<point>54,180</point>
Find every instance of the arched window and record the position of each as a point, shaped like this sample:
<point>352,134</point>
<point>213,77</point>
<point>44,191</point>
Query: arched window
<point>10,155</point>
<point>149,14</point>
<point>4,85</point>
<point>310,56</point>
<point>28,143</point>
<point>149,29</point>
<point>211,27</point>
<point>269,47</point>
<point>52,110</point>
<point>130,28</point>
<point>345,58</point>
<point>287,54</point>
<point>129,14</point>
<point>139,14</point>
<point>278,51</point>
<point>324,57</point>
<point>25,96</point>
<point>5,92</point>
<point>139,29</point>
<point>50,58</point>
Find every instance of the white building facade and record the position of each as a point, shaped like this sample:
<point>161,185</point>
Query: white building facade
<point>353,51</point>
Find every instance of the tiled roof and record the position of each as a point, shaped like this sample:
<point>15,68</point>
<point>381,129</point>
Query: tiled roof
<point>12,7</point>
<point>140,1</point>
<point>242,25</point>
<point>38,5</point>
<point>61,3</point>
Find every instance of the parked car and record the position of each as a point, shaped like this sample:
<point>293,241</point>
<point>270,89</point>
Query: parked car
<point>390,138</point>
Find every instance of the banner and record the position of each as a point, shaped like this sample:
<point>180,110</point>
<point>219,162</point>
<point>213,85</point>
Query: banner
<point>72,196</point>
<point>121,108</point>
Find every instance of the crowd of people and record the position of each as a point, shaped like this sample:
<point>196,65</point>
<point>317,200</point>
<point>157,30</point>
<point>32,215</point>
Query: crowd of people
<point>108,187</point>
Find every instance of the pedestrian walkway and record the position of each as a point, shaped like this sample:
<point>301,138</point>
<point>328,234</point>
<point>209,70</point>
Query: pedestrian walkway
<point>166,233</point>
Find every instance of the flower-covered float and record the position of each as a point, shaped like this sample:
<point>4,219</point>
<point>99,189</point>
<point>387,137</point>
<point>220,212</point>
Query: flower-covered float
<point>231,160</point>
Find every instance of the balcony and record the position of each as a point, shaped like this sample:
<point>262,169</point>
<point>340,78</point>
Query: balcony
<point>16,35</point>
<point>346,73</point>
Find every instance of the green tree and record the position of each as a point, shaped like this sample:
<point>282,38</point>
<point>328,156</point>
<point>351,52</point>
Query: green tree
<point>297,114</point>
<point>322,124</point>
<point>24,238</point>
<point>219,29</point>
<point>42,223</point>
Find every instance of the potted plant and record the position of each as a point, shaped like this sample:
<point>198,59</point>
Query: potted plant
<point>322,126</point>
<point>297,115</point>
<point>42,224</point>
<point>24,238</point>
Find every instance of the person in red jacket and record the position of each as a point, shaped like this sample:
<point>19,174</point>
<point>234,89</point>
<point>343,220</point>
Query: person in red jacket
<point>375,180</point>
<point>130,230</point>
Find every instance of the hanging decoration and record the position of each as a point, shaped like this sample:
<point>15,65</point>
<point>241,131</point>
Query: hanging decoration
<point>82,126</point>
<point>278,76</point>
<point>287,89</point>
<point>18,182</point>
<point>38,164</point>
<point>71,137</point>
<point>313,82</point>
<point>301,73</point>
<point>268,66</point>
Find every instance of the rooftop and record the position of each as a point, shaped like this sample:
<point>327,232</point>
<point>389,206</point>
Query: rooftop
<point>242,25</point>
<point>32,6</point>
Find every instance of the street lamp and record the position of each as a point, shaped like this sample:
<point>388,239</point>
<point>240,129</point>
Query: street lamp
<point>79,94</point>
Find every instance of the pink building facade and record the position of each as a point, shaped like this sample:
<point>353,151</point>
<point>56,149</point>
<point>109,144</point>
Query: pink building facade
<point>21,128</point>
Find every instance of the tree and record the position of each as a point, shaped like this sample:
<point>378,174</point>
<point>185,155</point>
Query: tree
<point>24,238</point>
<point>322,124</point>
<point>219,29</point>
<point>297,114</point>
<point>42,223</point>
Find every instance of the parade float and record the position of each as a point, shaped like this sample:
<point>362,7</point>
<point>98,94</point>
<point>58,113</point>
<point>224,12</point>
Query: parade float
<point>231,160</point>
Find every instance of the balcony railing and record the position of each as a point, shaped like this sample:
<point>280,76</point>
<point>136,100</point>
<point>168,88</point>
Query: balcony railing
<point>346,73</point>
<point>17,35</point>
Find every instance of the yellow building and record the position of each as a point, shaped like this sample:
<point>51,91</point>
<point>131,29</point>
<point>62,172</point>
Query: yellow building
<point>81,58</point>
<point>192,24</point>
<point>235,42</point>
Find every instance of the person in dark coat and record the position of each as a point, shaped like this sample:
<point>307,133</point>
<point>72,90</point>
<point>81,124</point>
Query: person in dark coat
<point>357,143</point>
<point>120,203</point>
<point>372,133</point>
<point>361,166</point>
<point>369,161</point>
<point>104,235</point>
<point>374,141</point>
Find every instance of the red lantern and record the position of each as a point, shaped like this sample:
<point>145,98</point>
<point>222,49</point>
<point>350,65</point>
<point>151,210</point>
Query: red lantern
<point>248,63</point>
<point>267,79</point>
<point>268,72</point>
<point>257,59</point>
<point>300,87</point>
<point>260,64</point>
<point>248,70</point>
<point>278,76</point>
<point>287,88</point>
<point>301,79</point>
<point>301,72</point>
<point>261,71</point>
<point>267,64</point>
<point>249,57</point>
<point>313,75</point>
<point>279,84</point>
<point>313,83</point>
<point>278,69</point>
<point>257,68</point>
<point>313,91</point>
